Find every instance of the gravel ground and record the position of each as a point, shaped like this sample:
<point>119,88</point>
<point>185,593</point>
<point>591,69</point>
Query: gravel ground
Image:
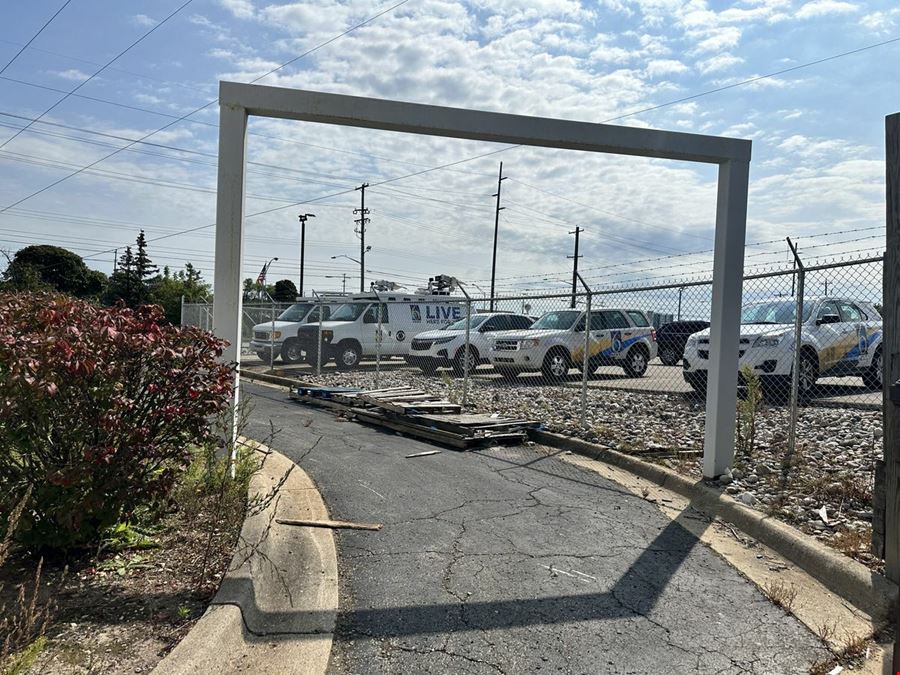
<point>832,468</point>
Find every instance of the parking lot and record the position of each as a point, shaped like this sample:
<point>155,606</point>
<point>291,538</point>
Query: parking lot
<point>659,379</point>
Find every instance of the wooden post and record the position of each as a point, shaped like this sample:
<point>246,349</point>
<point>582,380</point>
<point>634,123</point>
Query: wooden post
<point>891,350</point>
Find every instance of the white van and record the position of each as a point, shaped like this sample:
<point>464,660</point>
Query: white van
<point>351,333</point>
<point>280,336</point>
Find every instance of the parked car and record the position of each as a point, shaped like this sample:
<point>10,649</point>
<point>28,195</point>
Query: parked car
<point>280,336</point>
<point>446,347</point>
<point>671,338</point>
<point>351,334</point>
<point>839,338</point>
<point>555,343</point>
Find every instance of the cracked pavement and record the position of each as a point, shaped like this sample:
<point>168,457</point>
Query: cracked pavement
<point>511,560</point>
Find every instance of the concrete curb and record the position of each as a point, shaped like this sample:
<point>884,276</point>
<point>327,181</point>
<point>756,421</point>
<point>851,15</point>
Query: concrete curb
<point>872,593</point>
<point>276,608</point>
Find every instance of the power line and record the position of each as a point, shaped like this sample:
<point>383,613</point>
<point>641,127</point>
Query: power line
<point>206,105</point>
<point>102,68</point>
<point>34,37</point>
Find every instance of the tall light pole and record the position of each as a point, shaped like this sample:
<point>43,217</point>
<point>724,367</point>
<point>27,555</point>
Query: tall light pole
<point>358,262</point>
<point>303,218</point>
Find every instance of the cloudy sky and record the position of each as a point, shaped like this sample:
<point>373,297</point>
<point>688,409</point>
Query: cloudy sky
<point>817,172</point>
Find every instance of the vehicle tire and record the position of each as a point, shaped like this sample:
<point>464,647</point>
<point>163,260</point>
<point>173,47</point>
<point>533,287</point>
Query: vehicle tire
<point>696,382</point>
<point>873,376</point>
<point>291,352</point>
<point>263,355</point>
<point>458,364</point>
<point>348,355</point>
<point>636,361</point>
<point>669,355</point>
<point>556,365</point>
<point>809,373</point>
<point>507,375</point>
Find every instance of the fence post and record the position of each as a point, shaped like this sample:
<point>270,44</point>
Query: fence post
<point>319,338</point>
<point>795,370</point>
<point>378,337</point>
<point>465,394</point>
<point>272,342</point>
<point>586,359</point>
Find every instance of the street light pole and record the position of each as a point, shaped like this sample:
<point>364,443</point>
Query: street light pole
<point>303,218</point>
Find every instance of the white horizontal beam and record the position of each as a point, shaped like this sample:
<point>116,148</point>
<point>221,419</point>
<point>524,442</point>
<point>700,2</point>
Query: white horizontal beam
<point>432,120</point>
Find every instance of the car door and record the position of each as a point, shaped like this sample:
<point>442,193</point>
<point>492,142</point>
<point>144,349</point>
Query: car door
<point>856,336</point>
<point>619,330</point>
<point>830,337</point>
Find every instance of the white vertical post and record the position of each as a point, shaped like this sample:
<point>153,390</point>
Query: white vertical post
<point>227,301</point>
<point>725,317</point>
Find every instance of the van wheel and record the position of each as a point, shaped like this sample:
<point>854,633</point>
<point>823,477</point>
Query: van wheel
<point>459,361</point>
<point>635,362</point>
<point>291,352</point>
<point>348,355</point>
<point>556,365</point>
<point>873,376</point>
<point>668,355</point>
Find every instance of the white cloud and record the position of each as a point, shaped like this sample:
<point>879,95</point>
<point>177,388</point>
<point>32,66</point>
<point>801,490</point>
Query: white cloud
<point>718,63</point>
<point>818,8</point>
<point>242,9</point>
<point>143,20</point>
<point>662,67</point>
<point>72,74</point>
<point>881,22</point>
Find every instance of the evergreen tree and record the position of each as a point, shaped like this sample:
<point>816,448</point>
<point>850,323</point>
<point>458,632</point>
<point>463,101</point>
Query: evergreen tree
<point>144,270</point>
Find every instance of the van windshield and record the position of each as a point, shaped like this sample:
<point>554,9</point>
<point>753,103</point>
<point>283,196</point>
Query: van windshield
<point>295,312</point>
<point>349,312</point>
<point>556,320</point>
<point>461,324</point>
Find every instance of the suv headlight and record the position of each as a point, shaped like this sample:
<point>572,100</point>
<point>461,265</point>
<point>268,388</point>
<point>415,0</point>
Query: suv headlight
<point>529,343</point>
<point>769,340</point>
<point>443,340</point>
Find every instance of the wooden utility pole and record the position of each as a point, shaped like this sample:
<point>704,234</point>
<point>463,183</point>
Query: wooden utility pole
<point>576,232</point>
<point>303,218</point>
<point>500,179</point>
<point>891,360</point>
<point>362,221</point>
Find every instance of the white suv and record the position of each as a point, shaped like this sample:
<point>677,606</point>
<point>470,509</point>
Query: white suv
<point>839,337</point>
<point>555,343</point>
<point>446,347</point>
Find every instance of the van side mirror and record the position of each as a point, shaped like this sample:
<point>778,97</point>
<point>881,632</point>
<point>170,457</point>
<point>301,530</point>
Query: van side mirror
<point>828,318</point>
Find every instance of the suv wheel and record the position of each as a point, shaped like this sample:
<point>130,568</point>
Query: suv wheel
<point>291,352</point>
<point>873,376</point>
<point>556,366</point>
<point>636,362</point>
<point>808,376</point>
<point>459,362</point>
<point>348,356</point>
<point>669,355</point>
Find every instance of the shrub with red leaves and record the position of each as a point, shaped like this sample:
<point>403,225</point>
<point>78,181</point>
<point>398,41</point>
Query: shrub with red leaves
<point>99,408</point>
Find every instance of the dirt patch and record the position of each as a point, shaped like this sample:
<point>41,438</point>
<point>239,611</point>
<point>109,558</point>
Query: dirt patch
<point>122,612</point>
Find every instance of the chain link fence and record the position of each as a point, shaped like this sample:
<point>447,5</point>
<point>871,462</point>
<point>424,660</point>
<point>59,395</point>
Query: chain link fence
<point>808,418</point>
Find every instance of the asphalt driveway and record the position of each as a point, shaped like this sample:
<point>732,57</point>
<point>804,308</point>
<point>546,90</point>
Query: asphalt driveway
<point>512,560</point>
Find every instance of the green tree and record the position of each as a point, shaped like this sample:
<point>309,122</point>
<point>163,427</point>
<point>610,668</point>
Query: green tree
<point>284,291</point>
<point>254,292</point>
<point>133,276</point>
<point>45,267</point>
<point>168,289</point>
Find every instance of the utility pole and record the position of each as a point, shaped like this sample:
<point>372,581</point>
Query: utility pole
<point>362,221</point>
<point>115,261</point>
<point>303,218</point>
<point>574,258</point>
<point>826,287</point>
<point>500,179</point>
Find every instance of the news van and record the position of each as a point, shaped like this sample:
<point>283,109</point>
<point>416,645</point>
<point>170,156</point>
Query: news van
<point>352,332</point>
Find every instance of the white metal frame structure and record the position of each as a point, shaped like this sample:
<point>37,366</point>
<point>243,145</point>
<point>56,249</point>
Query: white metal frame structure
<point>238,101</point>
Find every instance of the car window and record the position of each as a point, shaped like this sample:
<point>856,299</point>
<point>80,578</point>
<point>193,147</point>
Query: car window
<point>828,307</point>
<point>519,322</point>
<point>372,314</point>
<point>495,323</point>
<point>849,312</point>
<point>639,319</point>
<point>615,319</point>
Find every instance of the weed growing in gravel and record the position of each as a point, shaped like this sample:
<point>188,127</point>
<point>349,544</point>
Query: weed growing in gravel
<point>850,542</point>
<point>842,486</point>
<point>748,408</point>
